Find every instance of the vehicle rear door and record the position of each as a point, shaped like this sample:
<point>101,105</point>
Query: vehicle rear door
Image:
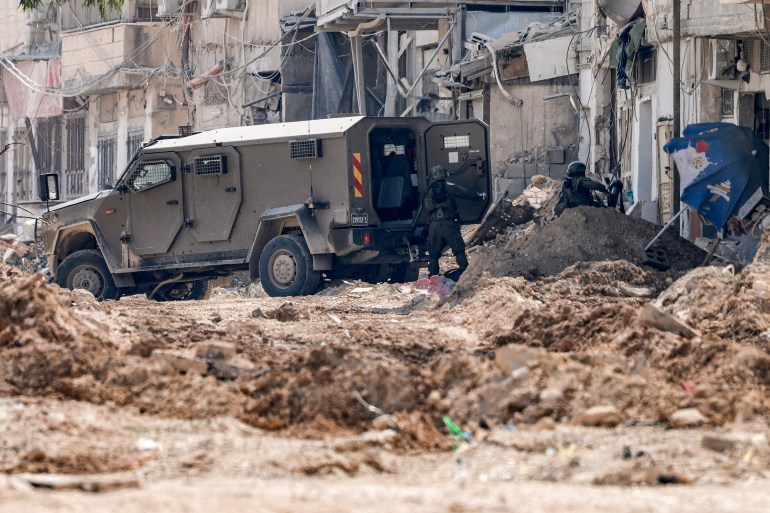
<point>463,148</point>
<point>154,190</point>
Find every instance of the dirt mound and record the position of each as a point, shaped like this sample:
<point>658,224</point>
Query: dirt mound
<point>579,234</point>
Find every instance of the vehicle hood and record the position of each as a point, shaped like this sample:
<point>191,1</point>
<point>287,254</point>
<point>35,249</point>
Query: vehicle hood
<point>82,199</point>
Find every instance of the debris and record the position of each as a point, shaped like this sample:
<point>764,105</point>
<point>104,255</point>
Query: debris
<point>230,368</point>
<point>180,361</point>
<point>214,350</point>
<point>717,443</point>
<point>605,415</point>
<point>334,317</point>
<point>93,484</point>
<point>257,313</point>
<point>361,290</point>
<point>651,316</point>
<point>687,418</point>
<point>436,284</point>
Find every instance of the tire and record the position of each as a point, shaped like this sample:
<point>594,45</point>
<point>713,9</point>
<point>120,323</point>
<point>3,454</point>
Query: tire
<point>187,291</point>
<point>286,267</point>
<point>86,269</point>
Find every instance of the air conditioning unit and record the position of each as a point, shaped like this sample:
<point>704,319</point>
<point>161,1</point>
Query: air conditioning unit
<point>208,8</point>
<point>169,7</point>
<point>722,53</point>
<point>228,5</point>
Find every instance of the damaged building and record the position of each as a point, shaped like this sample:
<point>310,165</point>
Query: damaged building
<point>626,56</point>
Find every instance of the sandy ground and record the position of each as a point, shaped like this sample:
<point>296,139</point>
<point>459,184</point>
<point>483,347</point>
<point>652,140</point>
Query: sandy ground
<point>559,375</point>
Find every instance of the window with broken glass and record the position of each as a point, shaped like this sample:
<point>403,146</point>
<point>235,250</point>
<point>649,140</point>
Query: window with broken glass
<point>645,65</point>
<point>75,168</point>
<point>106,149</point>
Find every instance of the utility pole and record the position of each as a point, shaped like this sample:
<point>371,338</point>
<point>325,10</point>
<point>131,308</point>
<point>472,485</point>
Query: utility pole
<point>677,64</point>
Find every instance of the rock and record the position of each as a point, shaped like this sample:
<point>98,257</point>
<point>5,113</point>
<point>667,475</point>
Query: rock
<point>551,395</point>
<point>180,361</point>
<point>514,356</point>
<point>687,417</point>
<point>717,443</point>
<point>230,368</point>
<point>384,422</point>
<point>258,313</point>
<point>253,290</point>
<point>651,316</point>
<point>433,399</point>
<point>11,257</point>
<point>605,415</point>
<point>213,350</point>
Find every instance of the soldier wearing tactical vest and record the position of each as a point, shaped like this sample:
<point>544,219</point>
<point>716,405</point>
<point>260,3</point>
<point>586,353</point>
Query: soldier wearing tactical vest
<point>578,190</point>
<point>444,229</point>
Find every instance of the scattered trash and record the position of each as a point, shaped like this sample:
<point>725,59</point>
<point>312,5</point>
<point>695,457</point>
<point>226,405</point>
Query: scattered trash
<point>455,432</point>
<point>688,386</point>
<point>334,317</point>
<point>436,284</point>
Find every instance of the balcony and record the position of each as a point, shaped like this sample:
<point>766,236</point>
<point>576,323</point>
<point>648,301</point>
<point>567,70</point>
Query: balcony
<point>347,15</point>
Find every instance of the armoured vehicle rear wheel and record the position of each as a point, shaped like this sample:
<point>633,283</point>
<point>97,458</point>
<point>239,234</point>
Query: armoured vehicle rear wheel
<point>286,267</point>
<point>87,270</point>
<point>187,291</point>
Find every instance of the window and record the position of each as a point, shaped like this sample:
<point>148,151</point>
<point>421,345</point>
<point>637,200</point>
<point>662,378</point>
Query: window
<point>134,142</point>
<point>747,53</point>
<point>106,146</point>
<point>457,141</point>
<point>22,165</point>
<point>49,145</point>
<point>397,149</point>
<point>764,57</point>
<point>150,174</point>
<point>728,103</point>
<point>645,65</point>
<point>211,165</point>
<point>75,170</point>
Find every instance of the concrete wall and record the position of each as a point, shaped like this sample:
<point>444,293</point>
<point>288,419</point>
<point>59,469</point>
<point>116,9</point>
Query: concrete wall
<point>247,44</point>
<point>703,18</point>
<point>520,137</point>
<point>94,52</point>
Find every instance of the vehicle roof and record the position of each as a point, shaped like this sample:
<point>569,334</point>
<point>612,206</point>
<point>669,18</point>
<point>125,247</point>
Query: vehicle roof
<point>333,127</point>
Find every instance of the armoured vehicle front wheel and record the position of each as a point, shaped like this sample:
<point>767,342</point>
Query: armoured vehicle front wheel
<point>286,267</point>
<point>187,291</point>
<point>87,270</point>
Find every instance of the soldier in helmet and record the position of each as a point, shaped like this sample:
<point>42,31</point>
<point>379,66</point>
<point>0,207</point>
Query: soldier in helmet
<point>443,228</point>
<point>578,190</point>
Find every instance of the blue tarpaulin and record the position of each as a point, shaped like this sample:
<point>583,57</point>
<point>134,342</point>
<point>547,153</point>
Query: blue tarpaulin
<point>721,165</point>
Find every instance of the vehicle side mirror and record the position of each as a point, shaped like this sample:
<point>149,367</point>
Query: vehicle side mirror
<point>49,187</point>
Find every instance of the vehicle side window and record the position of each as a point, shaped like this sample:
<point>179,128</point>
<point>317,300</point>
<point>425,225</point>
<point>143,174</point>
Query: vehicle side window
<point>150,174</point>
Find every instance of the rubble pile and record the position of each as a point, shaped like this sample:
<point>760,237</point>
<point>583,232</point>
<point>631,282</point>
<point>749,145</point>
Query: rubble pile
<point>583,234</point>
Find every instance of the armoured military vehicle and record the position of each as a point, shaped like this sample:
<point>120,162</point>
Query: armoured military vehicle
<point>291,202</point>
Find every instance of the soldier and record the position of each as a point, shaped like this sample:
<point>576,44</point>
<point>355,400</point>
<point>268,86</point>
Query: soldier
<point>578,190</point>
<point>444,229</point>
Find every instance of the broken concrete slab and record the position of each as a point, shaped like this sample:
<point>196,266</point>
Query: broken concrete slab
<point>180,361</point>
<point>605,415</point>
<point>230,368</point>
<point>513,357</point>
<point>653,317</point>
<point>215,350</point>
<point>687,418</point>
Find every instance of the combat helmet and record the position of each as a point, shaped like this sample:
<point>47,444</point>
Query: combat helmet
<point>576,168</point>
<point>438,172</point>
